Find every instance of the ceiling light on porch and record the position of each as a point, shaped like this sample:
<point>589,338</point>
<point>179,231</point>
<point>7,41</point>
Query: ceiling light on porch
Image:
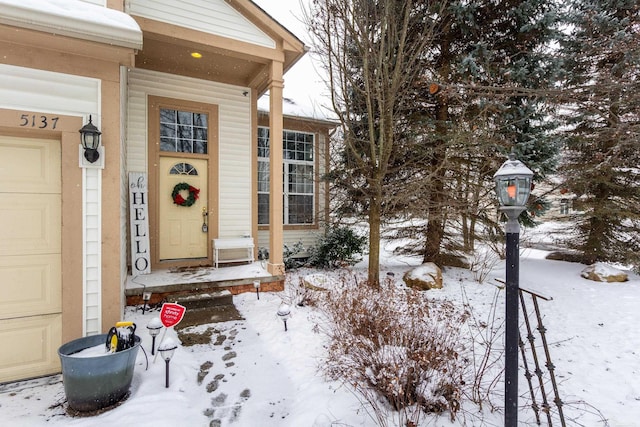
<point>196,55</point>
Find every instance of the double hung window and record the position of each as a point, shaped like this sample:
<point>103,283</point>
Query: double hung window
<point>298,169</point>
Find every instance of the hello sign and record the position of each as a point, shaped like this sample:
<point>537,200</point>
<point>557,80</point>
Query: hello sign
<point>139,224</point>
<point>171,314</point>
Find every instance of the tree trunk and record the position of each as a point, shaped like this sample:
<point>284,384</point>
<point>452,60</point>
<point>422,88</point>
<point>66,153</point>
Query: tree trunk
<point>435,226</point>
<point>374,241</point>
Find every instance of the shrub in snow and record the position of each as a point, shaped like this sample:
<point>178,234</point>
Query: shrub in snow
<point>338,247</point>
<point>293,255</point>
<point>400,351</point>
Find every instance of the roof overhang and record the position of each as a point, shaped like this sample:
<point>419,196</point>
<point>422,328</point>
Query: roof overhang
<point>167,48</point>
<point>73,18</point>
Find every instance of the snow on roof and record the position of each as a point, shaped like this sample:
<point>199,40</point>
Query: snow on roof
<point>295,108</point>
<point>73,18</point>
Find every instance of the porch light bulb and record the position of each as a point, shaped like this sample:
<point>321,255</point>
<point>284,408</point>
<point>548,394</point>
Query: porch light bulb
<point>196,55</point>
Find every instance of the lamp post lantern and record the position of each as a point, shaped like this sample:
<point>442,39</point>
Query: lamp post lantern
<point>513,186</point>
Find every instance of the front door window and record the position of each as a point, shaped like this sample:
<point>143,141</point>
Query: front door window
<point>183,131</point>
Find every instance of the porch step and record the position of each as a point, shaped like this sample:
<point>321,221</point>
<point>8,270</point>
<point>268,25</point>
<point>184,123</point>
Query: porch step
<point>211,307</point>
<point>204,300</point>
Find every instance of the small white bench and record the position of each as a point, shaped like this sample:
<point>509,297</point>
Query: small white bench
<point>243,247</point>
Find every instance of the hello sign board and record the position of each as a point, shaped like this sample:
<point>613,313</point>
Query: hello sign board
<point>171,314</point>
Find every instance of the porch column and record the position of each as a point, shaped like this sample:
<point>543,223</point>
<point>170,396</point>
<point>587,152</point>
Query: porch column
<point>276,215</point>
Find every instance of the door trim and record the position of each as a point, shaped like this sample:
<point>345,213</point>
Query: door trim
<point>155,103</point>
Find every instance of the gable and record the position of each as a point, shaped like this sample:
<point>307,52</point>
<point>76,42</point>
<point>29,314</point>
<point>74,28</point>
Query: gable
<point>215,17</point>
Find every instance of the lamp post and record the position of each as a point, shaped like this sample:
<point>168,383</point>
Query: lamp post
<point>166,349</point>
<point>513,185</point>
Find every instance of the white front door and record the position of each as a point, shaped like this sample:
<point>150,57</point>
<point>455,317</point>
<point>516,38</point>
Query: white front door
<point>30,257</point>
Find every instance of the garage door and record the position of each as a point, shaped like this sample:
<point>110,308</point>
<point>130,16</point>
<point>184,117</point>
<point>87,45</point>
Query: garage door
<point>30,257</point>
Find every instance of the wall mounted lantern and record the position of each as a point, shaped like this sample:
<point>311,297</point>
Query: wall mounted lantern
<point>90,139</point>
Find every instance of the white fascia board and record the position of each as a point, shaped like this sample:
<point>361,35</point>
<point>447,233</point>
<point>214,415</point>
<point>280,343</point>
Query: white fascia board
<point>73,18</point>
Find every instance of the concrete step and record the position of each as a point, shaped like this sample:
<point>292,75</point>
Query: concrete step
<point>205,300</point>
<point>211,307</point>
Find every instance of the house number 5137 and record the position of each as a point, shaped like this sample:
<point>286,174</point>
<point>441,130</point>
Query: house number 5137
<point>38,121</point>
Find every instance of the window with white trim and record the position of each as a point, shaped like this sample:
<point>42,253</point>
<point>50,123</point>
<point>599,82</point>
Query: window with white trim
<point>298,170</point>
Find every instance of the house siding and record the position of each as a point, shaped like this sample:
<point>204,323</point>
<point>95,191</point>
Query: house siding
<point>50,92</point>
<point>211,16</point>
<point>234,138</point>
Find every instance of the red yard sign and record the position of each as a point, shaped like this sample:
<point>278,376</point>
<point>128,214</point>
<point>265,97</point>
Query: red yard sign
<point>171,314</point>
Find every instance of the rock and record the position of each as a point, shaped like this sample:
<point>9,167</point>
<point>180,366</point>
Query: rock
<point>601,272</point>
<point>318,282</point>
<point>425,277</point>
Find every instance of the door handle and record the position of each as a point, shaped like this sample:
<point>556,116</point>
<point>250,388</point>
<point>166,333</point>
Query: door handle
<point>205,217</point>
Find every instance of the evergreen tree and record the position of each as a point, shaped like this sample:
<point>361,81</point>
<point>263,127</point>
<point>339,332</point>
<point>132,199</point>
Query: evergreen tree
<point>493,68</point>
<point>602,158</point>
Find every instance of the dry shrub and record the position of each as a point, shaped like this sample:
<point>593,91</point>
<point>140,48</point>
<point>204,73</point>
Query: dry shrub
<point>394,343</point>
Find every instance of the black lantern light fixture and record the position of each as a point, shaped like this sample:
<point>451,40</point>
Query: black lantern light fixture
<point>166,349</point>
<point>90,138</point>
<point>513,186</point>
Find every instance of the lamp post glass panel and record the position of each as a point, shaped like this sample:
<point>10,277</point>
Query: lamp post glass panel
<point>513,186</point>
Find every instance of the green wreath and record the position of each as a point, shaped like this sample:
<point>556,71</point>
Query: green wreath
<point>181,201</point>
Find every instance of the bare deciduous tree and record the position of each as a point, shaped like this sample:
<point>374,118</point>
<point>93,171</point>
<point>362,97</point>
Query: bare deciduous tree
<point>372,51</point>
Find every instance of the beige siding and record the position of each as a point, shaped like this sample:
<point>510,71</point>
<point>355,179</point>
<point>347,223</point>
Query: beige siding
<point>234,137</point>
<point>210,16</point>
<point>49,92</point>
<point>45,91</point>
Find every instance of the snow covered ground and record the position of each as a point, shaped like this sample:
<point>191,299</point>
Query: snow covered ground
<point>253,373</point>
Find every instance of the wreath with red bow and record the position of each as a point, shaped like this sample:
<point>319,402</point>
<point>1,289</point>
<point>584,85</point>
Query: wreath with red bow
<point>181,201</point>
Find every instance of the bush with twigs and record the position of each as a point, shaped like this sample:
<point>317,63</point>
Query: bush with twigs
<point>400,351</point>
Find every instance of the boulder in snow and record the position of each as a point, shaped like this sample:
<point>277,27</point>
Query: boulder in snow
<point>425,277</point>
<point>318,282</point>
<point>601,272</point>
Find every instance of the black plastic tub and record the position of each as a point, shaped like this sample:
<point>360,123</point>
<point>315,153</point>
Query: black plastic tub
<point>96,382</point>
